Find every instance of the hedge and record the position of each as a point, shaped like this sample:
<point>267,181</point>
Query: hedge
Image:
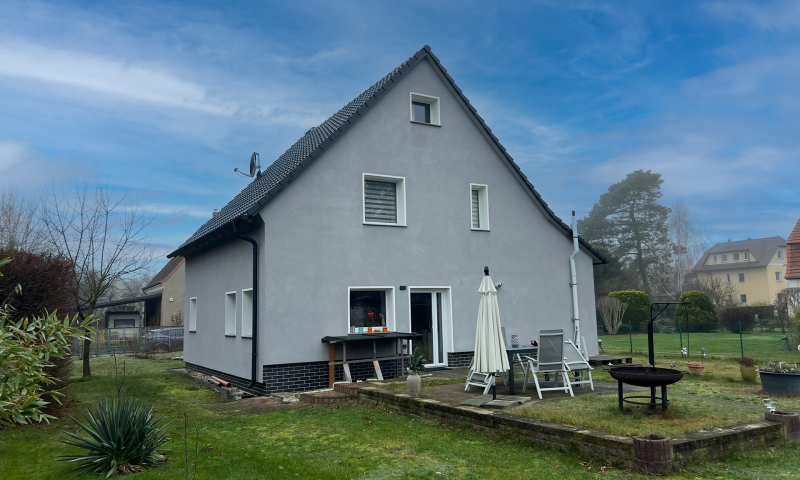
<point>702,314</point>
<point>638,307</point>
<point>731,317</point>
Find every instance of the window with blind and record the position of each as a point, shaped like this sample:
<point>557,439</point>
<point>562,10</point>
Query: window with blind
<point>384,200</point>
<point>479,206</point>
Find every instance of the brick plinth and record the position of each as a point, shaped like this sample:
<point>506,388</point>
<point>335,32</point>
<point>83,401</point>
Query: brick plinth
<point>791,420</point>
<point>324,398</point>
<point>652,453</point>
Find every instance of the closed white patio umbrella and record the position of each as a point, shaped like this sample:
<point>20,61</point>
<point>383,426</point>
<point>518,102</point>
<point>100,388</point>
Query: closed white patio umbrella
<point>490,349</point>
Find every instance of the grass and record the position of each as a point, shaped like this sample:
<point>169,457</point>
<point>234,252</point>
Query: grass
<point>339,442</point>
<point>761,346</point>
<point>602,413</point>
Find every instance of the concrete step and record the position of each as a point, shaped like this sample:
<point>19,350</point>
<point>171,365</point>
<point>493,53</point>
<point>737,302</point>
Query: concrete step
<point>324,398</point>
<point>350,389</point>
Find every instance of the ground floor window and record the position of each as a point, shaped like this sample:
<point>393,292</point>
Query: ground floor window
<point>370,310</point>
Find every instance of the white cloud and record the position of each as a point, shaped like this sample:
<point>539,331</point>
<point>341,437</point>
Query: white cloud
<point>778,16</point>
<point>19,166</point>
<point>108,75</point>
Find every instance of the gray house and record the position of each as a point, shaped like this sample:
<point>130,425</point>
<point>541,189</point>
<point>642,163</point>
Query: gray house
<point>382,217</point>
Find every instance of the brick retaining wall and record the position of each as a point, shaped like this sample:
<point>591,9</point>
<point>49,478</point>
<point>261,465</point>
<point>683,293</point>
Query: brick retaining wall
<point>685,448</point>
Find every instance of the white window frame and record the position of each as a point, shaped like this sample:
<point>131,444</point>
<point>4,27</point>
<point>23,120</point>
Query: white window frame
<point>742,298</point>
<point>741,277</point>
<point>778,276</point>
<point>447,312</point>
<point>747,256</point>
<point>780,254</point>
<point>401,198</point>
<point>715,259</point>
<point>724,258</point>
<point>193,314</point>
<point>430,100</point>
<point>736,257</point>
<point>483,206</point>
<point>727,278</point>
<point>390,313</point>
<point>247,313</point>
<point>230,314</point>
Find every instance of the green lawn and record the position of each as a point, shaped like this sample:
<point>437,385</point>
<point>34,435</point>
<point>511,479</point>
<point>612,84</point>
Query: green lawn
<point>758,345</point>
<point>601,412</point>
<point>342,441</point>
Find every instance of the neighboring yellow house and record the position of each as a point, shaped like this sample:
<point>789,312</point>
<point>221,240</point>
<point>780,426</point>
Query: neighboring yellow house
<point>757,267</point>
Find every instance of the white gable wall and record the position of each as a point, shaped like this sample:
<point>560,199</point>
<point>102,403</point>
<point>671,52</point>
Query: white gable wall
<point>315,244</point>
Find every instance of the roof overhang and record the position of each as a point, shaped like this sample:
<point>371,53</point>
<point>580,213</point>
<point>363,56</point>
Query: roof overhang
<point>125,301</point>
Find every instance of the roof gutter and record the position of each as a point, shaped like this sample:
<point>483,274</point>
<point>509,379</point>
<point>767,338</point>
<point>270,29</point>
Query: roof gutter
<point>255,302</point>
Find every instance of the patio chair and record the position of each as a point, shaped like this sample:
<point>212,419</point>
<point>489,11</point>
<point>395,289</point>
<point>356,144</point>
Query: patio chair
<point>479,379</point>
<point>549,361</point>
<point>576,364</point>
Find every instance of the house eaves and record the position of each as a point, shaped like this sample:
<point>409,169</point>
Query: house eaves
<point>246,205</point>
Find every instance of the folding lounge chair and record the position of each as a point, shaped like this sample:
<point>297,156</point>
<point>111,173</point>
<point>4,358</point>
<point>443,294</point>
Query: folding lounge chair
<point>478,379</point>
<point>550,360</point>
<point>576,364</point>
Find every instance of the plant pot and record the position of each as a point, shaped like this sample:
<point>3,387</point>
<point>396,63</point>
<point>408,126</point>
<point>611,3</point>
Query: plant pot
<point>749,374</point>
<point>414,385</point>
<point>696,368</point>
<point>780,383</point>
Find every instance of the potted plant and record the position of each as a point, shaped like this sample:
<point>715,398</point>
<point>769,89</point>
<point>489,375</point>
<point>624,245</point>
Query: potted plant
<point>417,363</point>
<point>780,378</point>
<point>747,366</point>
<point>696,368</point>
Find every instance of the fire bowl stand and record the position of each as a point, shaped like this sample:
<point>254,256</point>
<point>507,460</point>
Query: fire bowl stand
<point>654,400</point>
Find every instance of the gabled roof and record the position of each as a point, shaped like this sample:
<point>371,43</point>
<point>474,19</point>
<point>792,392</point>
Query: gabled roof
<point>793,254</point>
<point>305,151</point>
<point>761,251</point>
<point>166,272</point>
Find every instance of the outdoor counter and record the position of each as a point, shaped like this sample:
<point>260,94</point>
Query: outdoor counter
<point>397,337</point>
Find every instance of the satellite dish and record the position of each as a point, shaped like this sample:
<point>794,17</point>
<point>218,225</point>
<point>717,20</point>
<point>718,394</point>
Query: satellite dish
<point>255,167</point>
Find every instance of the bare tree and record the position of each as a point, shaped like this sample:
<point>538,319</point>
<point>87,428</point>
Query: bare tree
<point>612,310</point>
<point>20,229</point>
<point>787,303</point>
<point>104,237</point>
<point>688,240</point>
<point>722,294</point>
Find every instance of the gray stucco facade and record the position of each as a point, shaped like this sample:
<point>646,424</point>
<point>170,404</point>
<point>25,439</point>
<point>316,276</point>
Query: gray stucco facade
<point>314,245</point>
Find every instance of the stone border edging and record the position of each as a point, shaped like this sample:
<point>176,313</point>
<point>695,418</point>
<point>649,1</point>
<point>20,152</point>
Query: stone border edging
<point>688,447</point>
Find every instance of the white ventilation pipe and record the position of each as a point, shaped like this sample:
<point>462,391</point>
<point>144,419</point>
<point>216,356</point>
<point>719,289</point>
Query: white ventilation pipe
<point>574,282</point>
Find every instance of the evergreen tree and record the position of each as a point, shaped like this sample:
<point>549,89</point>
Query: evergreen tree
<point>630,223</point>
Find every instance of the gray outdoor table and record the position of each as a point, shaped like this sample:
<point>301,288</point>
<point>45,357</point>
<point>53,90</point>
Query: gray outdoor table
<point>528,349</point>
<point>365,337</point>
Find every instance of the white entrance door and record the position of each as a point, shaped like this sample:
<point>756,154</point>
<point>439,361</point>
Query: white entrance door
<point>429,318</point>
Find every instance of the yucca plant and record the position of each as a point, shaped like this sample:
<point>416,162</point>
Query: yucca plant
<point>124,437</point>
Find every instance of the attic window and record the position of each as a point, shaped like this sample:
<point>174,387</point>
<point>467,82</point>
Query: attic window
<point>735,257</point>
<point>780,254</point>
<point>425,109</point>
<point>747,256</point>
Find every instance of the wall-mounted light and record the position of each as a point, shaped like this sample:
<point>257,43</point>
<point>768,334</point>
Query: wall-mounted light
<point>499,285</point>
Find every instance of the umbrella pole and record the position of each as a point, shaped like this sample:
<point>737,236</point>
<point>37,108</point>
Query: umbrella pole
<point>494,389</point>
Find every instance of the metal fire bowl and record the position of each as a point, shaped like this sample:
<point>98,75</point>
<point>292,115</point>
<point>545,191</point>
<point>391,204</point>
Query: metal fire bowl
<point>646,376</point>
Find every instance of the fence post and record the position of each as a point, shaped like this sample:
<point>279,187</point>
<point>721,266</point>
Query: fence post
<point>741,342</point>
<point>630,334</point>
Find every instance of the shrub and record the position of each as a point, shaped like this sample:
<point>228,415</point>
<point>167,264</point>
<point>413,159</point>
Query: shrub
<point>731,317</point>
<point>702,317</point>
<point>638,311</point>
<point>46,282</point>
<point>28,348</point>
<point>125,437</point>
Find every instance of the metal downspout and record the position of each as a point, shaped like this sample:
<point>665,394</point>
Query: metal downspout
<point>255,301</point>
<point>574,281</point>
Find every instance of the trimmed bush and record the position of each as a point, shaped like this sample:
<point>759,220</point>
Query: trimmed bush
<point>125,437</point>
<point>731,317</point>
<point>701,312</point>
<point>638,311</point>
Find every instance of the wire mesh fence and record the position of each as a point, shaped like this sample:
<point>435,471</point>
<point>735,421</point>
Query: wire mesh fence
<point>762,340</point>
<point>133,340</point>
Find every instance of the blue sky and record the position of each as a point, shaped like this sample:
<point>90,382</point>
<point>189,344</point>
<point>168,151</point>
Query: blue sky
<point>164,99</point>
